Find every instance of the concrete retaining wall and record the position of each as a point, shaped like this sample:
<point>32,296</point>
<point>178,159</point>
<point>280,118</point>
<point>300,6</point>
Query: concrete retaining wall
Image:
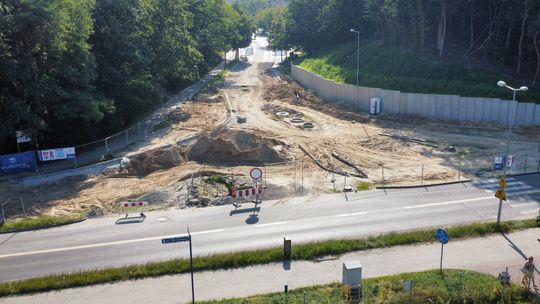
<point>450,107</point>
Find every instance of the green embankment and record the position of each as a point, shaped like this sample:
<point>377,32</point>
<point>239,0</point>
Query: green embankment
<point>40,222</point>
<point>428,287</point>
<point>309,251</point>
<point>396,69</point>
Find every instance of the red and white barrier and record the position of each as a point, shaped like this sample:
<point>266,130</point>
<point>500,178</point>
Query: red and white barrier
<point>246,193</point>
<point>133,204</point>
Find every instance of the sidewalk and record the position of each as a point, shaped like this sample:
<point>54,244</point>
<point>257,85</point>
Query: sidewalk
<point>490,255</point>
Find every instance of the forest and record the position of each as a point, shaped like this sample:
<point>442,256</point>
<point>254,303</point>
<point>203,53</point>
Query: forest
<point>77,70</point>
<point>502,34</point>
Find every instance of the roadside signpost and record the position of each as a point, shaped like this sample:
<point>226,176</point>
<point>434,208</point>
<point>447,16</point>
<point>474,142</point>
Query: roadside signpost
<point>256,174</point>
<point>184,239</point>
<point>442,236</point>
<point>500,193</point>
<point>498,164</point>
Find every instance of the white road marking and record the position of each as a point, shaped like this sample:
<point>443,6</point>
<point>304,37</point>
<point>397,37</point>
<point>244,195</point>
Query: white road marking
<point>97,245</point>
<point>270,224</point>
<point>352,214</point>
<point>449,203</point>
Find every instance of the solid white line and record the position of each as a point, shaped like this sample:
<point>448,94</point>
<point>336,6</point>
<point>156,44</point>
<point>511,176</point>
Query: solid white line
<point>449,203</point>
<point>269,224</point>
<point>352,214</point>
<point>154,238</point>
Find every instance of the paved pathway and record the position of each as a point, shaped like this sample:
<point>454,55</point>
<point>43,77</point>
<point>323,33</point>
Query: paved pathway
<point>490,255</point>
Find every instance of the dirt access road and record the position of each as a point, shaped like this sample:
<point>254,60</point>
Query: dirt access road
<point>387,149</point>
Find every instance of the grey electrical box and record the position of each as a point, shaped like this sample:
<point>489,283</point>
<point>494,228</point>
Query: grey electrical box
<point>352,273</point>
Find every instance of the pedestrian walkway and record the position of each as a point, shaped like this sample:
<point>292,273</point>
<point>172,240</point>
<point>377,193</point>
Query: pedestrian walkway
<point>513,187</point>
<point>490,255</point>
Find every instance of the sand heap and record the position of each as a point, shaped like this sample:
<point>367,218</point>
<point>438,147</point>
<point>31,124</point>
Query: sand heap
<point>157,159</point>
<point>237,147</point>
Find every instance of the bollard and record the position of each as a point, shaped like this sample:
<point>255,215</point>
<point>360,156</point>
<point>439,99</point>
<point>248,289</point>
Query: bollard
<point>287,249</point>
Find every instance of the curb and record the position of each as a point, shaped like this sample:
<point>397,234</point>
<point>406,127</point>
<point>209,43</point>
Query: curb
<point>425,186</point>
<point>41,228</point>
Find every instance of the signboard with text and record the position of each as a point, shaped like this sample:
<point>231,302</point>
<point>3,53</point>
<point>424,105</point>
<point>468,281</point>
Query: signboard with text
<point>16,163</point>
<point>57,154</point>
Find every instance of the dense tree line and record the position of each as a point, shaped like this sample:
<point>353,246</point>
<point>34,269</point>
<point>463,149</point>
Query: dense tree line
<point>505,33</point>
<point>75,70</point>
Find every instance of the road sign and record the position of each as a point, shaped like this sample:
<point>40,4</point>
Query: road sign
<point>502,182</point>
<point>510,161</point>
<point>175,239</point>
<point>498,163</point>
<point>500,194</point>
<point>255,173</point>
<point>442,236</point>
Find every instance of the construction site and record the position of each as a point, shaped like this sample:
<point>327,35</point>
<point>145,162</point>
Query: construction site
<point>304,145</point>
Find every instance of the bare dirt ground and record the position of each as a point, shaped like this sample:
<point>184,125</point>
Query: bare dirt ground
<point>337,149</point>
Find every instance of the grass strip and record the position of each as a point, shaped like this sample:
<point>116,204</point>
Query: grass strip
<point>308,251</point>
<point>40,222</point>
<point>428,287</point>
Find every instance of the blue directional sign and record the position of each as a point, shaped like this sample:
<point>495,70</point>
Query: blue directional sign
<point>442,236</point>
<point>175,240</point>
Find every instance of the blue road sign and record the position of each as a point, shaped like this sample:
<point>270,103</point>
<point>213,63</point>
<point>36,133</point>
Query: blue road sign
<point>175,240</point>
<point>442,236</point>
<point>499,162</point>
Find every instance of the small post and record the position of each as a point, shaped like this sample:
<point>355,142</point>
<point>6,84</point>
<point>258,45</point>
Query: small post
<point>525,169</point>
<point>304,297</point>
<point>286,289</point>
<point>106,144</point>
<point>191,268</point>
<point>18,149</point>
<point>22,204</point>
<point>294,177</point>
<point>422,174</point>
<point>382,175</point>
<point>442,249</point>
<point>2,210</point>
<point>287,248</point>
<point>460,286</point>
<point>264,175</point>
<point>333,181</point>
<point>459,170</point>
<point>127,137</point>
<point>302,178</point>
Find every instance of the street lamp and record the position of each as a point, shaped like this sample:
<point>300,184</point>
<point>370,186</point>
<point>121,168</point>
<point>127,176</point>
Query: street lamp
<point>503,84</point>
<point>357,54</point>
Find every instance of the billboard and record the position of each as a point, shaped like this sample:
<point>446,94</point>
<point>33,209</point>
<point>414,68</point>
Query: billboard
<point>56,154</point>
<point>16,163</point>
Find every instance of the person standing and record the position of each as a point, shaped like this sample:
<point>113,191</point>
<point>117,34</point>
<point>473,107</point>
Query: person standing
<point>528,272</point>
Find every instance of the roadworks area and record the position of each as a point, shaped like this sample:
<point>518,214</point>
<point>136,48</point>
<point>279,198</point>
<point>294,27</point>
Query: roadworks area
<point>305,146</point>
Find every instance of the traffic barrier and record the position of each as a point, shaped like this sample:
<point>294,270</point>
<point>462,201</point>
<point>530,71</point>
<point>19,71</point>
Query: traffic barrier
<point>246,193</point>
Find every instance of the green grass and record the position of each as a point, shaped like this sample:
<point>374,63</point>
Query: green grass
<point>308,251</point>
<point>396,69</point>
<point>43,221</point>
<point>363,186</point>
<point>428,287</point>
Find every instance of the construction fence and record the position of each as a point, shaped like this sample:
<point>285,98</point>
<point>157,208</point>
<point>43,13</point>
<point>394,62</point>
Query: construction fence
<point>437,106</point>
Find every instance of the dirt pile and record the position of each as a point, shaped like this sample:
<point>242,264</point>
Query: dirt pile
<point>153,160</point>
<point>237,147</point>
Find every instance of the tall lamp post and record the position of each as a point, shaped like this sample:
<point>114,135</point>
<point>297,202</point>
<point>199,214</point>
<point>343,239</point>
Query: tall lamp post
<point>503,84</point>
<point>357,54</point>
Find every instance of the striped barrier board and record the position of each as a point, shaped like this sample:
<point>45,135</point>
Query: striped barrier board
<point>133,204</point>
<point>246,193</point>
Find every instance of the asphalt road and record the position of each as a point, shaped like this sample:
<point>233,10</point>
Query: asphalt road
<point>99,243</point>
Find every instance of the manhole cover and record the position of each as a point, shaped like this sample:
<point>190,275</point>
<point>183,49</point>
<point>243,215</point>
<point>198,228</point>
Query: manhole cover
<point>297,120</point>
<point>282,113</point>
<point>162,219</point>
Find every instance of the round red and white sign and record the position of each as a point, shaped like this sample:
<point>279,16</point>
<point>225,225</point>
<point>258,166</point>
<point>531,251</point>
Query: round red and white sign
<point>255,173</point>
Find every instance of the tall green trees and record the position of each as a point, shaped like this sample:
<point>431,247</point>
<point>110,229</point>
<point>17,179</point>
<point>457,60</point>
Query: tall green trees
<point>74,70</point>
<point>48,68</point>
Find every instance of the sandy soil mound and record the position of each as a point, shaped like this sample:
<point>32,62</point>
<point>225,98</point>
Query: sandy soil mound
<point>157,159</point>
<point>237,147</point>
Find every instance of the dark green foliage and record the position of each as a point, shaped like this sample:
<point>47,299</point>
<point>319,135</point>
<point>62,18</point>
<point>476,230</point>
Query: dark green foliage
<point>396,69</point>
<point>76,70</point>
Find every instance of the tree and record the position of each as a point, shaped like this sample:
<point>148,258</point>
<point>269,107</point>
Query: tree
<point>242,29</point>
<point>534,28</point>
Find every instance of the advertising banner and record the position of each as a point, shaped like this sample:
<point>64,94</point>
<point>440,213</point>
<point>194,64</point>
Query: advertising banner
<point>16,163</point>
<point>22,137</point>
<point>57,154</point>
